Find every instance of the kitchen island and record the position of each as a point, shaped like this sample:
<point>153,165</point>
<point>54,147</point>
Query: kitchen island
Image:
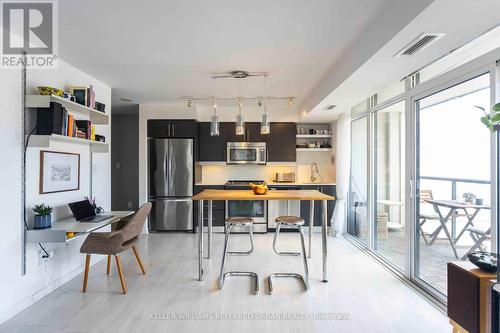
<point>210,195</point>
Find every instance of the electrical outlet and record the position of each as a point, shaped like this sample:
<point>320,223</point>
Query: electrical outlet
<point>43,258</point>
<point>129,204</point>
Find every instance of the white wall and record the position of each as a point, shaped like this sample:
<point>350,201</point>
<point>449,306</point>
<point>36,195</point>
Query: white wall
<point>20,291</point>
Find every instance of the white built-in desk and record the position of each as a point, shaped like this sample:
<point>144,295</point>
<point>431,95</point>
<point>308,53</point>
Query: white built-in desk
<point>58,232</point>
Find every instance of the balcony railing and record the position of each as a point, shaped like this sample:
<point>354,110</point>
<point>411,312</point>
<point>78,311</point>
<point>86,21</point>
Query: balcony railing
<point>454,182</point>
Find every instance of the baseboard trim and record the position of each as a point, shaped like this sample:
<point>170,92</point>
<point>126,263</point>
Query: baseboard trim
<point>44,291</point>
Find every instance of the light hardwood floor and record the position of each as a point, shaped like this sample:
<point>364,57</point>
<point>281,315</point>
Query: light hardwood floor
<point>373,299</point>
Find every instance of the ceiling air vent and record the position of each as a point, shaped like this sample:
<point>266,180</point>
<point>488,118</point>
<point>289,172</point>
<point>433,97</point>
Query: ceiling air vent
<point>419,44</point>
<point>329,107</point>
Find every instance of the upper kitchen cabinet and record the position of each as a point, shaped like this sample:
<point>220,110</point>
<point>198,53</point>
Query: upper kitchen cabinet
<point>281,142</point>
<point>165,128</point>
<point>252,133</point>
<point>212,148</point>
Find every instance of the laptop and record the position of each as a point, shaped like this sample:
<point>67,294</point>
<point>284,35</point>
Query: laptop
<point>83,212</point>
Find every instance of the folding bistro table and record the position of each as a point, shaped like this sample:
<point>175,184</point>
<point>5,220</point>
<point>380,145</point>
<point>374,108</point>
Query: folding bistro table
<point>210,195</point>
<point>454,206</point>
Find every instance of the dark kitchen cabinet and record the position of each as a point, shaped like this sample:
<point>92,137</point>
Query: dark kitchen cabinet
<point>165,128</point>
<point>318,205</point>
<point>252,133</point>
<point>281,142</point>
<point>212,148</point>
<point>218,208</point>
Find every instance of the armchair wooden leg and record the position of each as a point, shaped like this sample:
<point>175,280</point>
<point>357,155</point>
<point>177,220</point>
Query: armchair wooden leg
<point>86,273</point>
<point>139,260</point>
<point>108,268</point>
<point>120,273</point>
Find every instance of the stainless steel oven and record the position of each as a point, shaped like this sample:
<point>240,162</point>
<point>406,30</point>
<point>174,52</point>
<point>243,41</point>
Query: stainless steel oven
<point>256,209</point>
<point>246,153</point>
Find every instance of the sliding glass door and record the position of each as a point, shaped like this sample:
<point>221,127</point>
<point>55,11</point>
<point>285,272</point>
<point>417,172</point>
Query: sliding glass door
<point>453,185</point>
<point>389,157</point>
<point>422,187</point>
<point>357,223</point>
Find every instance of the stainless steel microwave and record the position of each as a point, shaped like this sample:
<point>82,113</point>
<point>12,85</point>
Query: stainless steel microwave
<point>246,153</point>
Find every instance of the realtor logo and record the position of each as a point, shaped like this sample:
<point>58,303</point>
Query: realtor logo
<point>29,27</point>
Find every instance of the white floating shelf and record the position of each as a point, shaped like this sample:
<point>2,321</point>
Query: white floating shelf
<point>43,141</point>
<point>42,101</point>
<point>314,149</point>
<point>314,136</point>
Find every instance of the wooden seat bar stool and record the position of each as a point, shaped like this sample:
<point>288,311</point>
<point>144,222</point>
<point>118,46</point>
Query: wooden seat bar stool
<point>230,223</point>
<point>295,222</point>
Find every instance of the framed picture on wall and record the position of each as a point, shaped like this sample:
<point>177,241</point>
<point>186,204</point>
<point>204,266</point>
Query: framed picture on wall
<point>59,172</point>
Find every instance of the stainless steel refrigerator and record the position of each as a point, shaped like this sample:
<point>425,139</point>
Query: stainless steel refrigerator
<point>170,184</point>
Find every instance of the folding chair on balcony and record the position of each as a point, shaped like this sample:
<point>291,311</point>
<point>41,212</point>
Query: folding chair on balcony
<point>478,236</point>
<point>426,195</point>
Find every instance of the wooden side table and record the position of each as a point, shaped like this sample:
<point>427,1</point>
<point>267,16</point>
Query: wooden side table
<point>468,301</point>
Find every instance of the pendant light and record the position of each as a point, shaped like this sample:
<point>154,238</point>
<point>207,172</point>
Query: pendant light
<point>240,123</point>
<point>265,128</point>
<point>214,124</point>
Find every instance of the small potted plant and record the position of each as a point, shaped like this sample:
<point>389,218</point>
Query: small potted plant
<point>469,197</point>
<point>43,217</point>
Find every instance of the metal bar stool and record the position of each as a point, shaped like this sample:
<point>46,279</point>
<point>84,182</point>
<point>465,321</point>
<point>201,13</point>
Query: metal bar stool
<point>296,223</point>
<point>230,223</point>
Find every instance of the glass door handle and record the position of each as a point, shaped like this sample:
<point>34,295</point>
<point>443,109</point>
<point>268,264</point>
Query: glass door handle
<point>411,188</point>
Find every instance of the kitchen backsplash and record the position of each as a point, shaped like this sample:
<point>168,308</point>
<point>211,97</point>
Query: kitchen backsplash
<point>219,174</point>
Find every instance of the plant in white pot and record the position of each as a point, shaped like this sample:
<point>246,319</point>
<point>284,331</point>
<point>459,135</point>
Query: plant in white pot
<point>43,217</point>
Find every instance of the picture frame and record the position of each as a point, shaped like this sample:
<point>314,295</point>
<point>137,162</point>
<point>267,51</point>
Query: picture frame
<point>80,94</point>
<point>59,172</point>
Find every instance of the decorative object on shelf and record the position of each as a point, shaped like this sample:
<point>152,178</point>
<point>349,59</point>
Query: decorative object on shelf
<point>59,172</point>
<point>265,127</point>
<point>491,119</point>
<point>81,94</point>
<point>486,261</point>
<point>100,138</point>
<point>51,120</point>
<point>214,124</point>
<point>469,197</point>
<point>479,202</point>
<point>259,189</point>
<point>101,107</point>
<point>47,91</point>
<point>43,217</point>
<point>68,96</point>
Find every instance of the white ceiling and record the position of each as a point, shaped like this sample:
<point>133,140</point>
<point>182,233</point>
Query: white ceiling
<point>461,20</point>
<point>320,51</point>
<point>160,50</point>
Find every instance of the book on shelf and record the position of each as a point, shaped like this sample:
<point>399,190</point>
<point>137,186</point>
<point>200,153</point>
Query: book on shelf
<point>85,126</point>
<point>57,120</point>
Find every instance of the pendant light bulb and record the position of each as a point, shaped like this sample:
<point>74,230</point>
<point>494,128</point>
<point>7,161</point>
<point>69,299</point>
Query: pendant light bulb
<point>265,127</point>
<point>240,123</point>
<point>214,124</point>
